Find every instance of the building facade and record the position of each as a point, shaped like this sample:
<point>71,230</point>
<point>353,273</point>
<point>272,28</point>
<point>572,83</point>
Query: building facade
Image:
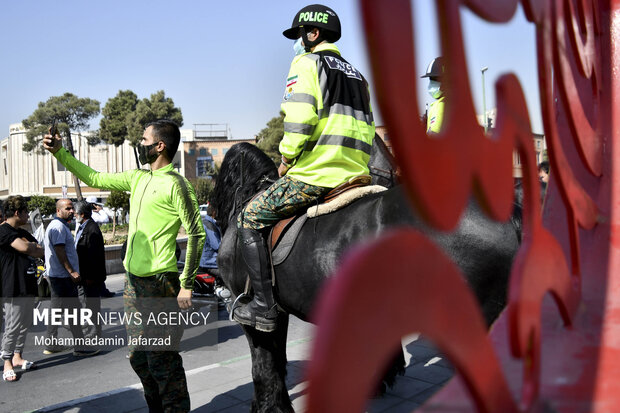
<point>203,149</point>
<point>39,173</point>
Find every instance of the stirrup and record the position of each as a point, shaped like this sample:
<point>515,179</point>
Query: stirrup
<point>234,306</point>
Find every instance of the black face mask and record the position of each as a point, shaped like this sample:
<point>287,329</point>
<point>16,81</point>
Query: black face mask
<point>144,153</point>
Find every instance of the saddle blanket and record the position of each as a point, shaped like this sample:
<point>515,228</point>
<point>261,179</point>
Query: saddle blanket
<point>343,200</point>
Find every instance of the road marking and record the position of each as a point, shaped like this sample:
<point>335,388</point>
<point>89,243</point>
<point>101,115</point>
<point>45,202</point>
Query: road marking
<point>138,386</point>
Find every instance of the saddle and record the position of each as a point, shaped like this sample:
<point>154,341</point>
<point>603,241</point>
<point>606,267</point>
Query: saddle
<point>283,235</point>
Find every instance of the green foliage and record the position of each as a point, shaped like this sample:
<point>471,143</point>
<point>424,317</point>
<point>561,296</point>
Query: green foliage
<point>71,113</point>
<point>269,138</point>
<point>150,110</point>
<point>204,189</point>
<point>116,240</point>
<point>46,205</point>
<point>108,227</point>
<point>114,124</point>
<point>118,199</point>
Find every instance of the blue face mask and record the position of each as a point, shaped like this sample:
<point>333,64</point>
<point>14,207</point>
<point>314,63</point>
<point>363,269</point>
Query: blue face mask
<point>434,89</point>
<point>298,47</point>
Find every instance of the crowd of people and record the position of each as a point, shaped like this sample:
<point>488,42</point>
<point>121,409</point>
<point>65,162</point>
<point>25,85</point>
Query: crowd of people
<point>75,270</point>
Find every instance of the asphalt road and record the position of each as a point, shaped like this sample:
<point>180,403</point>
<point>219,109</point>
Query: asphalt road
<point>61,377</point>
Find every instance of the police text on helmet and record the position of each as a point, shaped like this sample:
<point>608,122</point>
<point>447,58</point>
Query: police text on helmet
<point>313,17</point>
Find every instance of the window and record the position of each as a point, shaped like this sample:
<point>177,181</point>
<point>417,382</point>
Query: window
<point>214,152</point>
<point>224,151</point>
<point>4,152</point>
<point>191,152</point>
<point>204,165</point>
<point>203,151</point>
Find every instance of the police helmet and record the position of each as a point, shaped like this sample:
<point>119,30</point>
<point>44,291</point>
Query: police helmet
<point>315,15</point>
<point>435,69</point>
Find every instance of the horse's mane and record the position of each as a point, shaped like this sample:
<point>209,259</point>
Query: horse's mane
<point>245,163</point>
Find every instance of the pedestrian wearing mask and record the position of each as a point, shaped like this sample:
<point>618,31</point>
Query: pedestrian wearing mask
<point>161,201</point>
<point>91,256</point>
<point>435,75</point>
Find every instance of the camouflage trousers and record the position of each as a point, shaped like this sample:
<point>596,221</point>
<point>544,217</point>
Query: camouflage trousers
<point>160,368</point>
<point>281,200</point>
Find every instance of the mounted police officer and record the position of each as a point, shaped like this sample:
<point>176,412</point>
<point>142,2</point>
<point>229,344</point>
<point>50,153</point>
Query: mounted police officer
<point>435,73</point>
<point>328,133</point>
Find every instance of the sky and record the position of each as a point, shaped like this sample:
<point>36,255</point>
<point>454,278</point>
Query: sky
<point>222,62</point>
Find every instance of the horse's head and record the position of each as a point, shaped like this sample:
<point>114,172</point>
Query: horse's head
<point>241,175</point>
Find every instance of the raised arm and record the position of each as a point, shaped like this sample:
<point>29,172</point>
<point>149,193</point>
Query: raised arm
<point>117,181</point>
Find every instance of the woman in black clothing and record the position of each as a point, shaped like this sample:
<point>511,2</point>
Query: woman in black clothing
<point>19,286</point>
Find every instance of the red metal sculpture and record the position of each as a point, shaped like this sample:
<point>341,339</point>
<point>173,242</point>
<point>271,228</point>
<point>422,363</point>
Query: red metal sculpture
<point>562,353</point>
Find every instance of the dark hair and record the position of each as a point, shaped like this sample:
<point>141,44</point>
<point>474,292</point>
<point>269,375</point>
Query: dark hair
<point>210,210</point>
<point>168,132</point>
<point>241,159</point>
<point>83,208</point>
<point>13,204</point>
<point>543,166</point>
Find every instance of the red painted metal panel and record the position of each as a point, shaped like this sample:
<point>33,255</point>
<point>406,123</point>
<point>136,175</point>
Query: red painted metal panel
<point>561,353</point>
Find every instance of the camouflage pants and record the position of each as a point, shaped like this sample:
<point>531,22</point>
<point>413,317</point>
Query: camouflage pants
<point>160,368</point>
<point>281,200</point>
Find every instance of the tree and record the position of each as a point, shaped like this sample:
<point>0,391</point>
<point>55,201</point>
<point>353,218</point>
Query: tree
<point>71,113</point>
<point>125,117</point>
<point>46,205</point>
<point>114,124</point>
<point>204,189</point>
<point>117,200</point>
<point>269,138</point>
<point>150,110</point>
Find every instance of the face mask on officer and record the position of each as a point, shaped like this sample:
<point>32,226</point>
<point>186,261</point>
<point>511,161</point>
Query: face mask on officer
<point>434,89</point>
<point>146,153</point>
<point>298,47</point>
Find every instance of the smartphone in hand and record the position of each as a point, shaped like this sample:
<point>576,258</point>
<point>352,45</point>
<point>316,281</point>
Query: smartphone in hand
<point>54,128</point>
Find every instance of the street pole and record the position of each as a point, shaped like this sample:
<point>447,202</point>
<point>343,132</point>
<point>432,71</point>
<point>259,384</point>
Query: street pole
<point>484,103</point>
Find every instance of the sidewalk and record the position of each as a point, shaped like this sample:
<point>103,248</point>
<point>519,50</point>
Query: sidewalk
<point>227,386</point>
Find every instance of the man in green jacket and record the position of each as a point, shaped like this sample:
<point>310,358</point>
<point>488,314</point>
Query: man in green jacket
<point>328,133</point>
<point>161,201</point>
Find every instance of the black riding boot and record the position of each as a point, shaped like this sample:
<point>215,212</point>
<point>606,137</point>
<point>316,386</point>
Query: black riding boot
<point>261,312</point>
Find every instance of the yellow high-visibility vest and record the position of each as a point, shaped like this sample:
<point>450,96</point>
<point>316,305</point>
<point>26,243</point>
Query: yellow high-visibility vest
<point>328,123</point>
<point>435,116</point>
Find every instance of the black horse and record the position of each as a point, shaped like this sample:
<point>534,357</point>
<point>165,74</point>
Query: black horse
<point>482,248</point>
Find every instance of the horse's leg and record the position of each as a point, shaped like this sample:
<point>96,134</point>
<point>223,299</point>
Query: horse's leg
<point>268,352</point>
